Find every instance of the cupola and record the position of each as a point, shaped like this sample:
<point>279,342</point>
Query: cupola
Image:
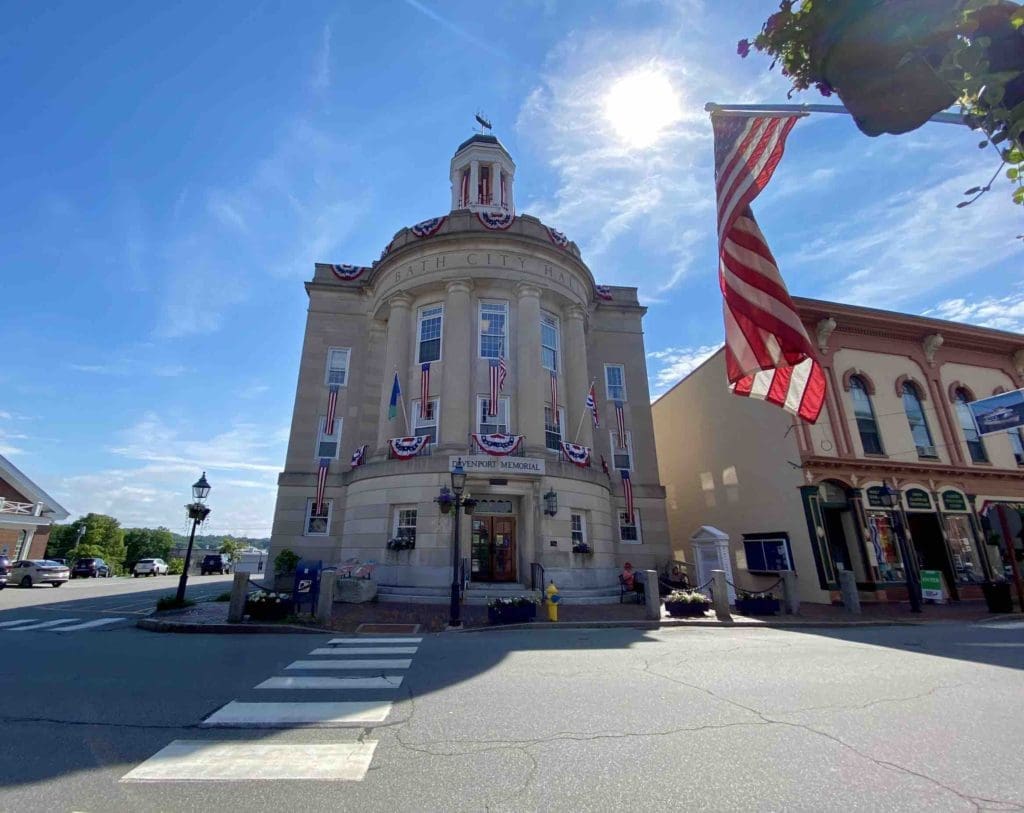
<point>482,175</point>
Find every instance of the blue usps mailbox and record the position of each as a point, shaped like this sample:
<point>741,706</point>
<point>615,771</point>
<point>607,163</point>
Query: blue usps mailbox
<point>307,584</point>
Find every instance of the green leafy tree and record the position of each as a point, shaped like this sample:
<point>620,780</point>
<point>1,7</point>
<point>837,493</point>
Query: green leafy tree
<point>231,547</point>
<point>103,537</point>
<point>143,543</point>
<point>176,567</point>
<point>60,541</point>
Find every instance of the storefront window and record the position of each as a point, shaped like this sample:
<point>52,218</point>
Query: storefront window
<point>966,564</point>
<point>886,547</point>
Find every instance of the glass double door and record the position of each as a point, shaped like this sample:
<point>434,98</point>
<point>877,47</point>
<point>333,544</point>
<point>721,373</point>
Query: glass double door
<point>493,549</point>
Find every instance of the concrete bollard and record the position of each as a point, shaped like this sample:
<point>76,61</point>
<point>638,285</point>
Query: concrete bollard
<point>325,600</point>
<point>652,599</point>
<point>720,595</point>
<point>790,598</point>
<point>239,590</point>
<point>848,586</point>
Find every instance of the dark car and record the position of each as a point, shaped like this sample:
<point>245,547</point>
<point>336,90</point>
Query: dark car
<point>5,569</point>
<point>215,563</point>
<point>91,568</point>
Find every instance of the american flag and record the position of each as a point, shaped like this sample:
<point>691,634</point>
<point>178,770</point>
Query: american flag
<point>620,422</point>
<point>767,352</point>
<point>332,407</point>
<point>498,372</point>
<point>359,456</point>
<point>627,491</point>
<point>321,484</point>
<point>554,398</point>
<point>424,388</point>
<point>592,406</point>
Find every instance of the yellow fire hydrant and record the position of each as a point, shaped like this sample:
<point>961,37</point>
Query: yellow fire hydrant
<point>553,599</point>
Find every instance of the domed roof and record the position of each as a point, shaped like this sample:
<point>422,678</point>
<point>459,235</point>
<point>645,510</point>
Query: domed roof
<point>480,138</point>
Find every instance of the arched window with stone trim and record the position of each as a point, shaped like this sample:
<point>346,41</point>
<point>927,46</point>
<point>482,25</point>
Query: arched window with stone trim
<point>918,423</point>
<point>864,412</point>
<point>975,445</point>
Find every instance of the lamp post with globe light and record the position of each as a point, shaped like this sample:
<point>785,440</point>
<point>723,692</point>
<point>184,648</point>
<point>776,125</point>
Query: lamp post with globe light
<point>197,512</point>
<point>448,500</point>
<point>890,498</point>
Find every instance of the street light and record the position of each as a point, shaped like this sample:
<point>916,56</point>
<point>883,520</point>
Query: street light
<point>197,512</point>
<point>458,486</point>
<point>890,498</point>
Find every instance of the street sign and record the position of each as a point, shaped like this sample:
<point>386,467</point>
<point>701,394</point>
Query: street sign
<point>999,413</point>
<point>931,585</point>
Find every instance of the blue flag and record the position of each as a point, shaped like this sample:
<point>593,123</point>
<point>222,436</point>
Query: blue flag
<point>396,393</point>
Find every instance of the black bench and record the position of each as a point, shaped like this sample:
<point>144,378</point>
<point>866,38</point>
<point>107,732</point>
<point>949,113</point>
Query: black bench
<point>637,590</point>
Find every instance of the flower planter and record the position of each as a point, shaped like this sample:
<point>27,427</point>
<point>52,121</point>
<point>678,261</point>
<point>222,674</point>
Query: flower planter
<point>759,605</point>
<point>269,610</point>
<point>686,609</point>
<point>511,614</point>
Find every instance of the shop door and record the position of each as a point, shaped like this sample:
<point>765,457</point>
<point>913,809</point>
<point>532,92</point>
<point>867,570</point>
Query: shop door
<point>930,547</point>
<point>836,536</point>
<point>493,549</point>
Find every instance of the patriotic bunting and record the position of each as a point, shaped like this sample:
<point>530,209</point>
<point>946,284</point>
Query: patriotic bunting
<point>557,237</point>
<point>592,406</point>
<point>332,407</point>
<point>768,354</point>
<point>428,228</point>
<point>498,371</point>
<point>627,491</point>
<point>496,222</point>
<point>580,455</point>
<point>498,444</point>
<point>424,388</point>
<point>359,456</point>
<point>554,398</point>
<point>321,483</point>
<point>348,272</point>
<point>404,448</point>
<point>603,292</point>
<point>620,421</point>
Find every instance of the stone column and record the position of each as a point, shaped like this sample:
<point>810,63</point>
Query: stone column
<point>396,357</point>
<point>530,381</point>
<point>495,184</point>
<point>474,182</point>
<point>459,366</point>
<point>574,361</point>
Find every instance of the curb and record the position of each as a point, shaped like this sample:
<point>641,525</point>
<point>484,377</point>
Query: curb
<point>162,625</point>
<point>709,624</point>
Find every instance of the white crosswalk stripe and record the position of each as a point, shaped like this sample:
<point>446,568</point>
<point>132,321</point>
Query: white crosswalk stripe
<point>88,625</point>
<point>58,624</point>
<point>15,623</point>
<point>351,712</point>
<point>364,650</point>
<point>334,641</point>
<point>43,624</point>
<point>399,663</point>
<point>383,682</point>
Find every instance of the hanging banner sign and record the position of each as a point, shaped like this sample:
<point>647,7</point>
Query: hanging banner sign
<point>498,444</point>
<point>404,448</point>
<point>488,464</point>
<point>953,501</point>
<point>999,413</point>
<point>918,499</point>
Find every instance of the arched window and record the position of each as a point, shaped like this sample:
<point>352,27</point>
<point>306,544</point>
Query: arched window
<point>963,413</point>
<point>918,425</point>
<point>870,439</point>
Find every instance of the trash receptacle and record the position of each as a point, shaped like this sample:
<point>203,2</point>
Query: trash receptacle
<point>997,596</point>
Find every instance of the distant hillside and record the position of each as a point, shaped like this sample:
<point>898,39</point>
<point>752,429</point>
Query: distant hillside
<point>214,541</point>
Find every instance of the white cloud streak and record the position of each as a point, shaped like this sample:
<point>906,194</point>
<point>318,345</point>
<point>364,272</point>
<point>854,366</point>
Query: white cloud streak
<point>999,312</point>
<point>675,363</point>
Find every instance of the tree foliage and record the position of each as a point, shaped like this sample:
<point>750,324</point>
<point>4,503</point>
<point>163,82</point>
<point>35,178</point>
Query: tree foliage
<point>91,535</point>
<point>144,543</point>
<point>231,547</point>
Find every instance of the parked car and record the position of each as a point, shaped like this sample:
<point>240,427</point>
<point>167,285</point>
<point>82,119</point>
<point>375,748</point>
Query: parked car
<point>60,561</point>
<point>150,567</point>
<point>91,568</point>
<point>215,563</point>
<point>5,567</point>
<point>29,572</point>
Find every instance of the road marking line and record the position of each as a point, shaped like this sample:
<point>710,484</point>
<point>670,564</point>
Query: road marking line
<point>365,650</point>
<point>318,682</point>
<point>1002,625</point>
<point>15,623</point>
<point>43,625</point>
<point>384,663</point>
<point>395,639</point>
<point>992,644</point>
<point>351,712</point>
<point>88,624</point>
<point>205,761</point>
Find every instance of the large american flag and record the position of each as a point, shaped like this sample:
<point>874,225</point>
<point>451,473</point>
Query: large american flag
<point>627,492</point>
<point>554,398</point>
<point>620,424</point>
<point>498,372</point>
<point>321,484</point>
<point>592,406</point>
<point>767,352</point>
<point>332,407</point>
<point>425,388</point>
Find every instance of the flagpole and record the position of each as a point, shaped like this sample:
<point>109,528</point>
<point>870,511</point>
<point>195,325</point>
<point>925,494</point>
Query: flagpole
<point>804,109</point>
<point>583,417</point>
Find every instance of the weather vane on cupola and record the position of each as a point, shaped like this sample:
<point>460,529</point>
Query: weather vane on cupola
<point>484,122</point>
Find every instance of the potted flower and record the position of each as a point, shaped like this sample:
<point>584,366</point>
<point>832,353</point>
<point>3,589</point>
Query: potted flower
<point>511,610</point>
<point>582,547</point>
<point>687,604</point>
<point>266,605</point>
<point>445,500</point>
<point>401,542</point>
<point>748,603</point>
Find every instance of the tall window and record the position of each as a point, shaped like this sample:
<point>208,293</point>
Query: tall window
<point>630,531</point>
<point>318,523</point>
<point>622,458</point>
<point>1017,444</point>
<point>429,332</point>
<point>493,326</point>
<point>579,528</point>
<point>552,429</point>
<point>426,424</point>
<point>615,382</point>
<point>328,440</point>
<point>918,425</point>
<point>491,424</point>
<point>337,366</point>
<point>975,445</point>
<point>865,415</point>
<point>549,341</point>
<point>405,523</point>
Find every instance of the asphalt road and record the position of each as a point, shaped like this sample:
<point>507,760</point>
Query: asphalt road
<point>894,718</point>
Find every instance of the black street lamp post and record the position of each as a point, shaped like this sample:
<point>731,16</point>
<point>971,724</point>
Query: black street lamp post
<point>197,512</point>
<point>458,486</point>
<point>890,498</point>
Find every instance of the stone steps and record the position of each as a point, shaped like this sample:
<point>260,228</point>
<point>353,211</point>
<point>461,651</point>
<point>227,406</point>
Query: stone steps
<point>480,594</point>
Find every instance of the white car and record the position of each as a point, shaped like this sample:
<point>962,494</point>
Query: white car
<point>150,567</point>
<point>29,572</point>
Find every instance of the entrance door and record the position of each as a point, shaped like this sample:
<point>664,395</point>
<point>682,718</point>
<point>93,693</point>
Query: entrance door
<point>836,536</point>
<point>493,549</point>
<point>930,547</point>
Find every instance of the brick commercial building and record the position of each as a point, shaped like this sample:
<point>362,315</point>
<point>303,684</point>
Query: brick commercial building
<point>787,494</point>
<point>453,302</point>
<point>26,514</point>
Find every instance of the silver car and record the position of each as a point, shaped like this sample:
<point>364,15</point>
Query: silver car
<point>150,567</point>
<point>29,572</point>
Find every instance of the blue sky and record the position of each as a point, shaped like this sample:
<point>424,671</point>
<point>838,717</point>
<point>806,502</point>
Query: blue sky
<point>172,172</point>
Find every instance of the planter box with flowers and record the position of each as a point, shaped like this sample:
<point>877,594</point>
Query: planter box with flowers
<point>583,548</point>
<point>512,610</point>
<point>757,603</point>
<point>268,606</point>
<point>399,543</point>
<point>686,604</point>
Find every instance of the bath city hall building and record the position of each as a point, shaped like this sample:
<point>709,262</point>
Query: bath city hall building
<point>480,339</point>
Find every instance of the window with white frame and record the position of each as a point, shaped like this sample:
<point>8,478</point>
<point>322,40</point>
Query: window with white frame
<point>490,424</point>
<point>318,523</point>
<point>426,422</point>
<point>549,341</point>
<point>621,458</point>
<point>405,523</point>
<point>493,329</point>
<point>428,332</point>
<point>553,429</point>
<point>328,441</point>
<point>615,382</point>
<point>578,526</point>
<point>630,532</point>
<point>337,366</point>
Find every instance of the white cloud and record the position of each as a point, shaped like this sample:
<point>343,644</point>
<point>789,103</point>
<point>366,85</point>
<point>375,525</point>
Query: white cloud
<point>1000,312</point>
<point>675,363</point>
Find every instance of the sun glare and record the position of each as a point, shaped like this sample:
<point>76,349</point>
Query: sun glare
<point>640,106</point>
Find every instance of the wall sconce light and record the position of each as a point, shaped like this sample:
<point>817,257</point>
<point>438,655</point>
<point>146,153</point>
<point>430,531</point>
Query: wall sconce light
<point>551,503</point>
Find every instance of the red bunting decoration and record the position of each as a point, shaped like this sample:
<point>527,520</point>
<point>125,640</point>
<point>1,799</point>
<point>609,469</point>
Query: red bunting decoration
<point>404,448</point>
<point>348,272</point>
<point>496,222</point>
<point>498,444</point>
<point>428,228</point>
<point>578,455</point>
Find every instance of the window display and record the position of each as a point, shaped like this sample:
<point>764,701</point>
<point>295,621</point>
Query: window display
<point>886,547</point>
<point>966,563</point>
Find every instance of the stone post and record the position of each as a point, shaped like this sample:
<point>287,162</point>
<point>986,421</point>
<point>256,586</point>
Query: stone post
<point>652,598</point>
<point>239,588</point>
<point>530,383</point>
<point>459,366</point>
<point>574,363</point>
<point>848,587</point>
<point>720,595</point>
<point>790,598</point>
<point>474,182</point>
<point>325,599</point>
<point>396,357</point>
